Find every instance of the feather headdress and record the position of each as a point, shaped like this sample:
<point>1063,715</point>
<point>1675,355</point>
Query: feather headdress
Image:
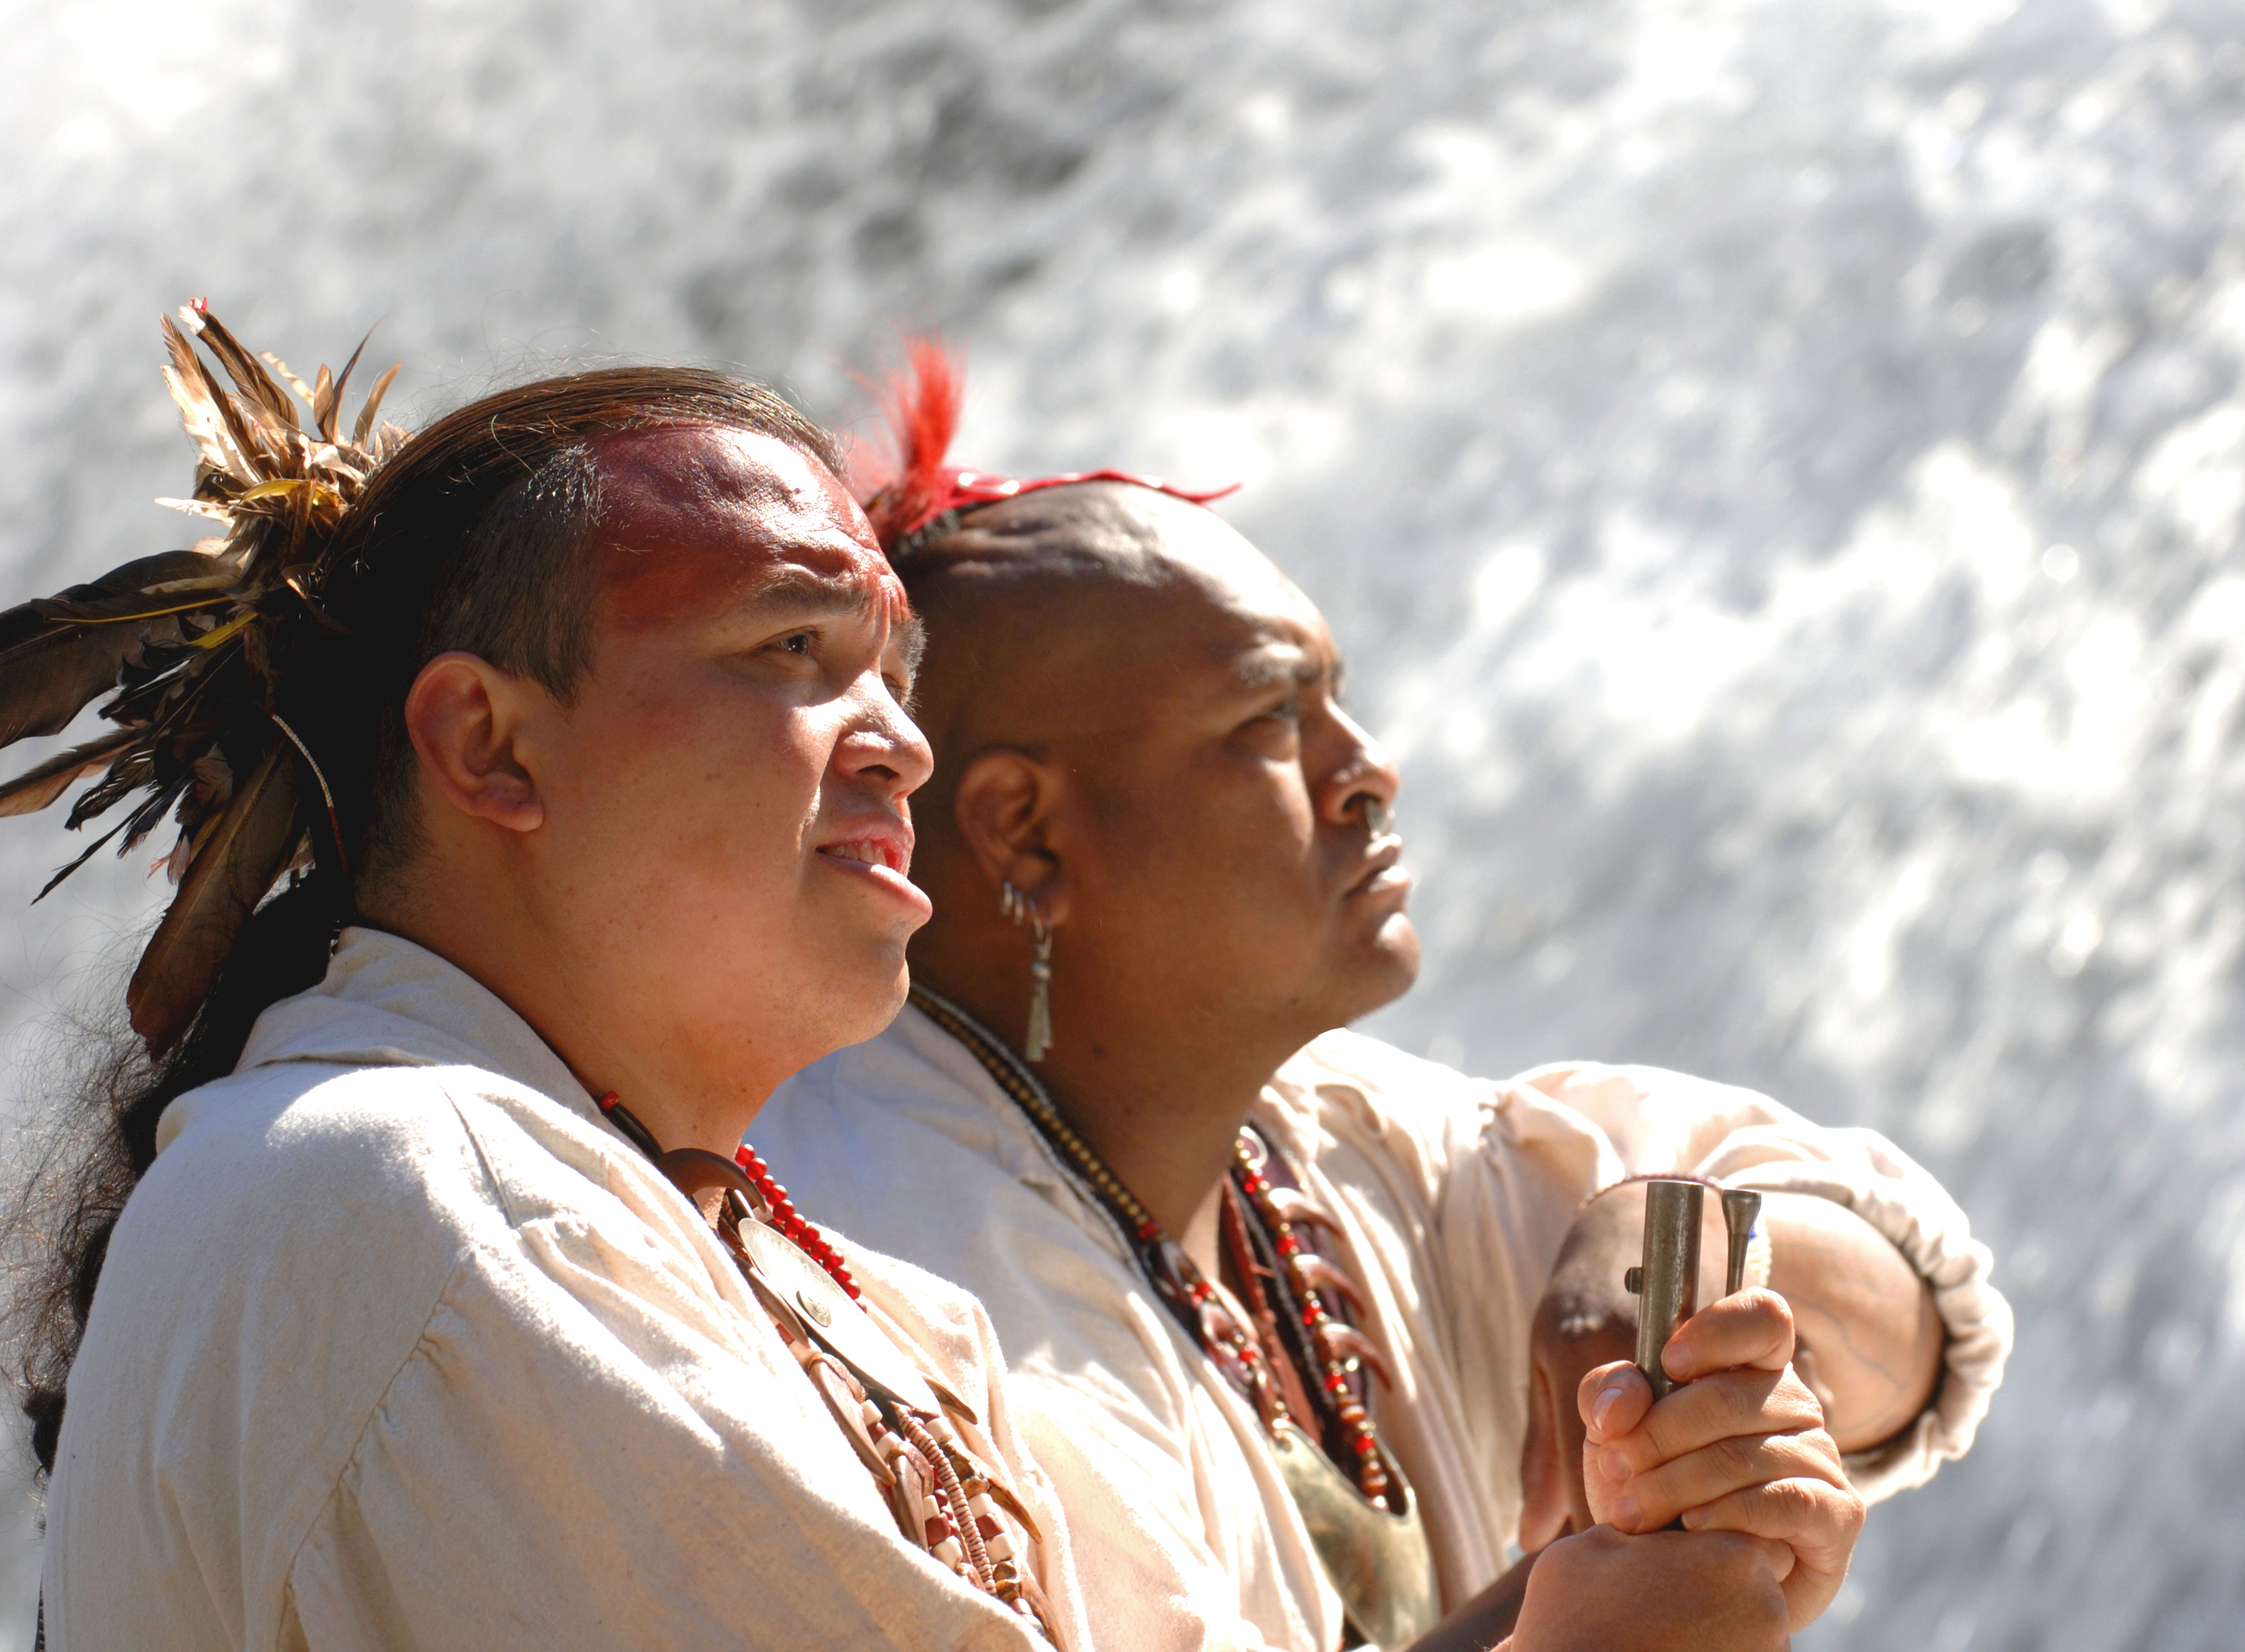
<point>905,497</point>
<point>185,644</point>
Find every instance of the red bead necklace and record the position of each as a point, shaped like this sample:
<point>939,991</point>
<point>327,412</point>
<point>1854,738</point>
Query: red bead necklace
<point>785,1217</point>
<point>781,1211</point>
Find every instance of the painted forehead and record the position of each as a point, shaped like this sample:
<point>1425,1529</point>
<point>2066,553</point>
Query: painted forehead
<point>697,518</point>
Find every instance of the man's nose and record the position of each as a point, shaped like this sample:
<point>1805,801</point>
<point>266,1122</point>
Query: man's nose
<point>887,745</point>
<point>1365,776</point>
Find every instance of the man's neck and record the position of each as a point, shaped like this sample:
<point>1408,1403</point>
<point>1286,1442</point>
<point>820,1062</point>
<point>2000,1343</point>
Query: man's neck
<point>1159,1095</point>
<point>469,925</point>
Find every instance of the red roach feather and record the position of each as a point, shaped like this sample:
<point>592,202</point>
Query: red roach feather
<point>922,404</point>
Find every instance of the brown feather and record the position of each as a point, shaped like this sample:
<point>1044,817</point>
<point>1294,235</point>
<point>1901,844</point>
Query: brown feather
<point>189,383</point>
<point>48,888</point>
<point>366,415</point>
<point>244,853</point>
<point>281,366</point>
<point>48,680</point>
<point>60,652</point>
<point>324,403</point>
<point>245,370</point>
<point>34,789</point>
<point>245,452</point>
<point>342,379</point>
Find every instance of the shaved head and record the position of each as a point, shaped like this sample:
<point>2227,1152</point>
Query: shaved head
<point>1039,597</point>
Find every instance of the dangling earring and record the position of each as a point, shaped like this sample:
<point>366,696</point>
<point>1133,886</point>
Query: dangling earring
<point>1021,910</point>
<point>1378,818</point>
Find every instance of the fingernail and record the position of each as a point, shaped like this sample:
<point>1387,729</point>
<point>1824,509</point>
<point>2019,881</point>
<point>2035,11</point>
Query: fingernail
<point>1694,1519</point>
<point>1625,1513</point>
<point>1613,1463</point>
<point>1602,1407</point>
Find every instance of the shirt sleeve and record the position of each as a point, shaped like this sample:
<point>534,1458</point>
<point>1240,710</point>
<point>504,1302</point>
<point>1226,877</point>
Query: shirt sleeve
<point>578,1453</point>
<point>1660,1121</point>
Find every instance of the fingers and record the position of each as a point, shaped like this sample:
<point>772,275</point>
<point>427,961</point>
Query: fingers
<point>1747,1403</point>
<point>1817,1521</point>
<point>1818,1524</point>
<point>1751,1328</point>
<point>1647,1502</point>
<point>1613,1400</point>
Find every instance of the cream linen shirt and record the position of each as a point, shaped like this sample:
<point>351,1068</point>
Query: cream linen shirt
<point>1453,1196</point>
<point>400,1344</point>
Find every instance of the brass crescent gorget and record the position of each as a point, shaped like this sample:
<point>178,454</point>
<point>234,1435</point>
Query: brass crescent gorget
<point>1379,1563</point>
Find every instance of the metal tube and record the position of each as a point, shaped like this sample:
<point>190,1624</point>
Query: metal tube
<point>1741,1209</point>
<point>1668,1282</point>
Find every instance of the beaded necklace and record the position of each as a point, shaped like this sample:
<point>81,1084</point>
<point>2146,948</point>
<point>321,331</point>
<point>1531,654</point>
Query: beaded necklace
<point>1293,1289</point>
<point>784,1216</point>
<point>892,1413</point>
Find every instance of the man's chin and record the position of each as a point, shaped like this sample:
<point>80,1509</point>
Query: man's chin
<point>1388,967</point>
<point>850,1005</point>
<point>1373,975</point>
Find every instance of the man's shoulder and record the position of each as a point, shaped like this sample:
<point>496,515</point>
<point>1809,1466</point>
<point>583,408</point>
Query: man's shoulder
<point>1350,1078</point>
<point>293,1181</point>
<point>279,1260</point>
<point>299,1134</point>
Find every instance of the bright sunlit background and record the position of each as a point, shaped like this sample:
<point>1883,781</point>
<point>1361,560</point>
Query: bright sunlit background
<point>1776,465</point>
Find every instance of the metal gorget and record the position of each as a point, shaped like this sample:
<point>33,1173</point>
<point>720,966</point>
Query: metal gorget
<point>1379,1563</point>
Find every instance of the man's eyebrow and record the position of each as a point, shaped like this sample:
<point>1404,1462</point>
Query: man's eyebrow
<point>1268,667</point>
<point>909,634</point>
<point>798,594</point>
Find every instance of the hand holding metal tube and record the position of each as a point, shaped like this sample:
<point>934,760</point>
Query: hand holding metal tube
<point>1711,1429</point>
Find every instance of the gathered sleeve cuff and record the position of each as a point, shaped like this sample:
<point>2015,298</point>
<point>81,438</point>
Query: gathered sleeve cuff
<point>1660,1121</point>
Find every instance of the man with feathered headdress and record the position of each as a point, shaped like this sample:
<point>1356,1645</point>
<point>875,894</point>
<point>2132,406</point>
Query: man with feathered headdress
<point>1298,1319</point>
<point>418,1291</point>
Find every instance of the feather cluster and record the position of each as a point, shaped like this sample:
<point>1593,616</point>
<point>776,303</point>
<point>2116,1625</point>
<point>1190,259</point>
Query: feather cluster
<point>922,405</point>
<point>185,644</point>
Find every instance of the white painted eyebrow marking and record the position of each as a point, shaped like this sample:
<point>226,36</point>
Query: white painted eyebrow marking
<point>1270,666</point>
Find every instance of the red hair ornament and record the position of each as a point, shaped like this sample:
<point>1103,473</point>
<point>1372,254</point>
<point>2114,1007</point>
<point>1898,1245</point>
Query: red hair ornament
<point>922,406</point>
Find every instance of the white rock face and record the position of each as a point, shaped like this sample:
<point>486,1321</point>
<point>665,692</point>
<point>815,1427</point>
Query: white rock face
<point>1777,468</point>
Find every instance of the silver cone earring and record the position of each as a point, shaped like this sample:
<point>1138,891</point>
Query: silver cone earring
<point>1377,817</point>
<point>1021,910</point>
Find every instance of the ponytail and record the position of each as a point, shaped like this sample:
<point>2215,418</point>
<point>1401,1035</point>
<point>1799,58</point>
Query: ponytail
<point>282,950</point>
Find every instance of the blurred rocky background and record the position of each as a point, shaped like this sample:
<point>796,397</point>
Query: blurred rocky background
<point>1776,464</point>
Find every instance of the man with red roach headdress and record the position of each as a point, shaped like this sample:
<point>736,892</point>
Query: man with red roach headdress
<point>1310,1332</point>
<point>415,1293</point>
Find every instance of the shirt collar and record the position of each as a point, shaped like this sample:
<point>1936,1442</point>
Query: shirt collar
<point>387,1002</point>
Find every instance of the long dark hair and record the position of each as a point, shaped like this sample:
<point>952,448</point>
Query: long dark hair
<point>476,535</point>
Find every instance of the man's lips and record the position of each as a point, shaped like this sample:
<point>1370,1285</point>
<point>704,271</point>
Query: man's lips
<point>881,855</point>
<point>891,847</point>
<point>1381,874</point>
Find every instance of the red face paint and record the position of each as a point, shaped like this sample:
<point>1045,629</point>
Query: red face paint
<point>698,519</point>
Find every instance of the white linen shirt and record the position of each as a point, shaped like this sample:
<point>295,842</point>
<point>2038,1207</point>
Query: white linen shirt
<point>1453,1196</point>
<point>400,1344</point>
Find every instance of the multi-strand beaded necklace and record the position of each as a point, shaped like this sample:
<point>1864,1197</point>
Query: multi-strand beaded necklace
<point>944,1499</point>
<point>1306,1354</point>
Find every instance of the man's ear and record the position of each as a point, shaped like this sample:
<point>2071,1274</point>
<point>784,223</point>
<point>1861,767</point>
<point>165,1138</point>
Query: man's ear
<point>1545,1499</point>
<point>463,715</point>
<point>1004,805</point>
